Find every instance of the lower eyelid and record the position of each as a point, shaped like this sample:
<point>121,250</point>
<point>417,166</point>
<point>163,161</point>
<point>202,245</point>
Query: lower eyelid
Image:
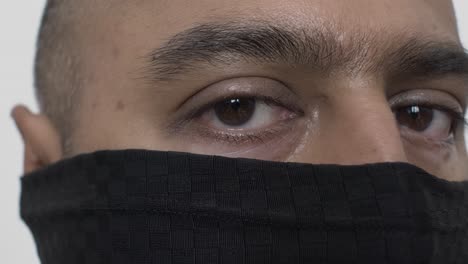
<point>420,139</point>
<point>239,139</point>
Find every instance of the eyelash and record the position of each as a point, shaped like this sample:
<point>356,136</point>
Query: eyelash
<point>245,138</point>
<point>262,136</point>
<point>269,100</point>
<point>457,116</point>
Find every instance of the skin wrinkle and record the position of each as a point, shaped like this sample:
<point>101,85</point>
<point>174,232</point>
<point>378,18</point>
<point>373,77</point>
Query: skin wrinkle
<point>225,43</point>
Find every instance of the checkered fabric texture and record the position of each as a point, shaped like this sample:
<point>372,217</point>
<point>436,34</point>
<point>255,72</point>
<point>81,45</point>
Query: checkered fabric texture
<point>151,207</point>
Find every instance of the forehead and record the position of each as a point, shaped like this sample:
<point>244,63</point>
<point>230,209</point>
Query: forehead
<point>164,17</point>
<point>126,31</point>
<point>146,24</point>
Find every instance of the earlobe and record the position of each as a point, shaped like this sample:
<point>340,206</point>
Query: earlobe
<point>42,144</point>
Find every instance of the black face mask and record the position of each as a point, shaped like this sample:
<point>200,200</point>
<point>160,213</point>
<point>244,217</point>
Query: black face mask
<point>139,206</point>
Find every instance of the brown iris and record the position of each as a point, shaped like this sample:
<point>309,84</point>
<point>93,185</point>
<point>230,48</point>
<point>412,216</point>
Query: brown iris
<point>235,111</point>
<point>416,118</point>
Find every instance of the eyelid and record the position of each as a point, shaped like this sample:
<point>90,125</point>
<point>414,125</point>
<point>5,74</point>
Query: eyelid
<point>434,99</point>
<point>268,100</point>
<point>269,90</point>
<point>427,98</point>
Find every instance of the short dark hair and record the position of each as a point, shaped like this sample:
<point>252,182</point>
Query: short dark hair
<point>57,65</point>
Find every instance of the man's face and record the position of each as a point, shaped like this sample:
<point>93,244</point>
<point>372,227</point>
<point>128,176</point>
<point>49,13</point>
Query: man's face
<point>322,81</point>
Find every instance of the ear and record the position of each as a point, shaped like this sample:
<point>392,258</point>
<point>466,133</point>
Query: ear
<point>42,144</point>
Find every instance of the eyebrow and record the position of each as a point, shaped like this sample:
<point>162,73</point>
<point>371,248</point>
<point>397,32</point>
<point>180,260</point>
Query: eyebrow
<point>321,49</point>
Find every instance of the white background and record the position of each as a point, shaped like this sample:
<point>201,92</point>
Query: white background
<point>18,27</point>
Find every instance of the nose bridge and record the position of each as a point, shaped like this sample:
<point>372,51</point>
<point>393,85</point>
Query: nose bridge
<point>370,132</point>
<point>357,129</point>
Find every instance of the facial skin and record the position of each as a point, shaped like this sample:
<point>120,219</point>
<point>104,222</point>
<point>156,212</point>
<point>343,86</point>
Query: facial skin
<point>362,82</point>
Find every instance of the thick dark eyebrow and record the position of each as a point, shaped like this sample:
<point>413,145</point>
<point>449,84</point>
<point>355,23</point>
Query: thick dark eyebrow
<point>428,59</point>
<point>218,44</point>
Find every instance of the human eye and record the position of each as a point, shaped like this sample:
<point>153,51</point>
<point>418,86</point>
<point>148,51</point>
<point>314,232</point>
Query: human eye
<point>240,114</point>
<point>245,118</point>
<point>429,115</point>
<point>431,121</point>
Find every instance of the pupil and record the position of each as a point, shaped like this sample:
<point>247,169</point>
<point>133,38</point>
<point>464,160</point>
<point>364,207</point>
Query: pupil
<point>235,112</point>
<point>414,112</point>
<point>415,117</point>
